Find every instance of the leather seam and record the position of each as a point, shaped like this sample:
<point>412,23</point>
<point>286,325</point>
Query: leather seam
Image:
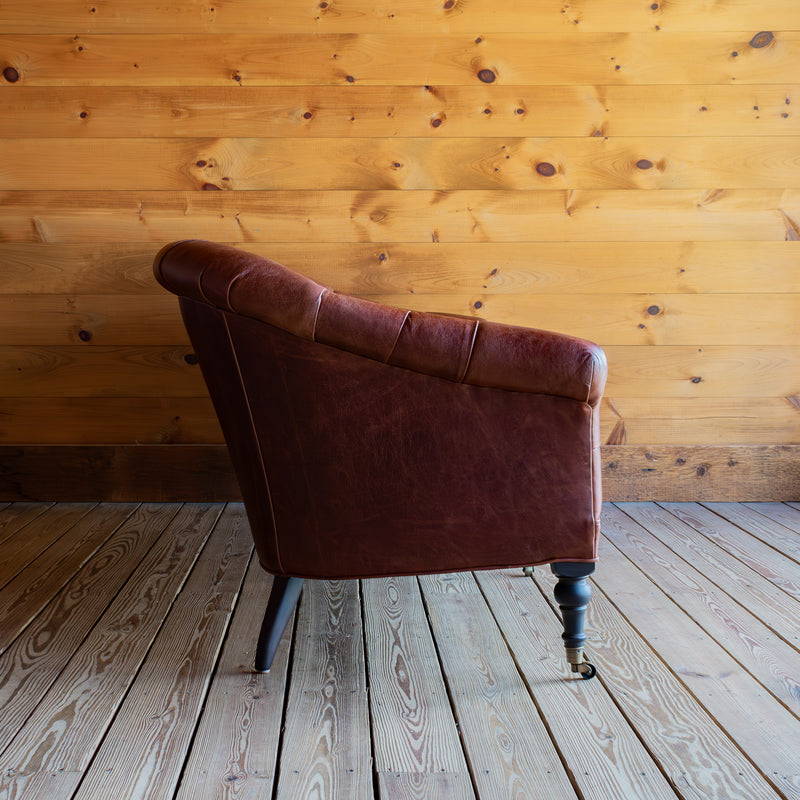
<point>200,286</point>
<point>316,315</point>
<point>397,338</point>
<point>258,445</point>
<point>468,361</point>
<point>228,292</point>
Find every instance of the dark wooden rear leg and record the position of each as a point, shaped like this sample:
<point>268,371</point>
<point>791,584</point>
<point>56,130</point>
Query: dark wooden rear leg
<point>282,601</point>
<point>572,593</point>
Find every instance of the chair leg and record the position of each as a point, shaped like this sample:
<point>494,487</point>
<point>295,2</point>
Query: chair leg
<point>282,601</point>
<point>572,593</point>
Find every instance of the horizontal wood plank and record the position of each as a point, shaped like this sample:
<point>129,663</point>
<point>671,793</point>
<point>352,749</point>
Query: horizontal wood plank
<point>90,319</point>
<point>269,16</point>
<point>108,420</point>
<point>713,420</point>
<point>397,268</point>
<point>498,215</point>
<point>701,372</point>
<point>701,472</point>
<point>443,164</point>
<point>399,111</point>
<point>100,372</point>
<point>384,59</point>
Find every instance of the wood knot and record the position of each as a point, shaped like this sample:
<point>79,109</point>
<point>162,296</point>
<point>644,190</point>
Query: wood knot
<point>546,169</point>
<point>11,74</point>
<point>653,310</point>
<point>487,76</point>
<point>644,163</point>
<point>761,39</point>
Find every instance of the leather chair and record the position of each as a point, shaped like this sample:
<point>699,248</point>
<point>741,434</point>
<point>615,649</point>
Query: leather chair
<point>372,441</point>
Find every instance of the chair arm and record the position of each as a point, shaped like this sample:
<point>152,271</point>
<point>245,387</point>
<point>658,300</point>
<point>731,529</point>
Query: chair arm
<point>462,349</point>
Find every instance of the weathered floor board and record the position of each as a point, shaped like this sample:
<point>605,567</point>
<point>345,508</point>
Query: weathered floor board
<point>128,635</point>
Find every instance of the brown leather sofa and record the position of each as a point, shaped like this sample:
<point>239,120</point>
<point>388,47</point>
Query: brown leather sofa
<point>371,441</point>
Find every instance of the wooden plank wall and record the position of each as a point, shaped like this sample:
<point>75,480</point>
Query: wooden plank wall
<point>623,170</point>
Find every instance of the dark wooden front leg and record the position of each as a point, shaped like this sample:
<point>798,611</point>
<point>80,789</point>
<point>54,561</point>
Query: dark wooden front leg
<point>282,601</point>
<point>572,593</point>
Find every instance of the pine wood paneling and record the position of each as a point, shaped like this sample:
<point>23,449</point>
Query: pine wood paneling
<point>399,111</point>
<point>108,420</point>
<point>403,59</point>
<point>496,215</point>
<point>246,16</point>
<point>100,372</point>
<point>624,172</point>
<point>446,164</point>
<point>367,269</point>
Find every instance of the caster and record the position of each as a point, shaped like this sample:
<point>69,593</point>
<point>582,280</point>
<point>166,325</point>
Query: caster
<point>527,572</point>
<point>587,670</point>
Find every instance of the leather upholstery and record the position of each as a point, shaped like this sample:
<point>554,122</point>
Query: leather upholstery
<point>370,440</point>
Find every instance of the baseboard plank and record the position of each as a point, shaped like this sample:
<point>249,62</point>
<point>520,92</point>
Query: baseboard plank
<point>203,473</point>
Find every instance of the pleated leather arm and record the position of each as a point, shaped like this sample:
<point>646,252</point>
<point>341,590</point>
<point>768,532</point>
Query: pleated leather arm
<point>455,348</point>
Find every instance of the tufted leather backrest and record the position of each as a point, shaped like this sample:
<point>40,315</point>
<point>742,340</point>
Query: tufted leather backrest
<point>435,442</point>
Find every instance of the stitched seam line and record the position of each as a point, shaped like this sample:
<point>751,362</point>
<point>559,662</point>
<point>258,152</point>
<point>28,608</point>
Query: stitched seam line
<point>591,381</point>
<point>469,355</point>
<point>200,286</point>
<point>234,280</point>
<point>397,338</point>
<point>316,315</point>
<point>258,446</point>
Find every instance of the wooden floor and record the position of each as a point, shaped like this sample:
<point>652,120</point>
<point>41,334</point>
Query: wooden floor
<point>127,635</point>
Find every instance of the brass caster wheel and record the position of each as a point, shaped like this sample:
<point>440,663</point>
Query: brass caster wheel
<point>527,572</point>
